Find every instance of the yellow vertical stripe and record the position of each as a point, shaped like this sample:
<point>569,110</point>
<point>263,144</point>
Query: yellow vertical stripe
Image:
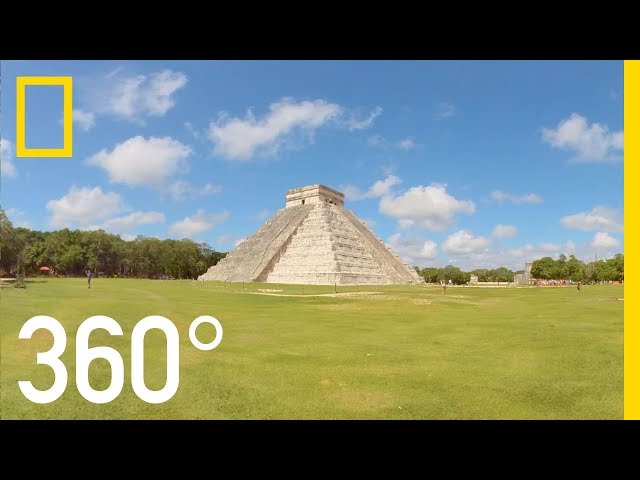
<point>67,148</point>
<point>631,238</point>
<point>20,109</point>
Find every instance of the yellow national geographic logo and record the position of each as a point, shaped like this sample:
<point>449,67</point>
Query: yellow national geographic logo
<point>67,118</point>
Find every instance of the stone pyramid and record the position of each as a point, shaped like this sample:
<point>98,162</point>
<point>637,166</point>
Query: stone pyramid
<point>313,240</point>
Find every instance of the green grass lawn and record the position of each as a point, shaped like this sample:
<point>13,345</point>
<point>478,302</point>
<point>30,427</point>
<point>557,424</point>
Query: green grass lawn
<point>403,352</point>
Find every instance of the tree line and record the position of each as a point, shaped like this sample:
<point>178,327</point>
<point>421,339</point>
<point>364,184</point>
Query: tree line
<point>459,277</point>
<point>71,252</point>
<point>571,268</point>
<point>545,268</point>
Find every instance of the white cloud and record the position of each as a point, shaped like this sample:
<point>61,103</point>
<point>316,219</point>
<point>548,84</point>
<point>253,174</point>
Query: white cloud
<point>501,196</point>
<point>128,222</point>
<point>263,215</point>
<point>209,189</point>
<point>192,130</point>
<point>467,254</point>
<point>383,187</point>
<point>387,169</point>
<point>369,222</point>
<point>197,223</point>
<point>224,238</point>
<point>114,72</point>
<point>604,240</point>
<point>380,188</point>
<point>83,205</point>
<point>592,143</point>
<point>378,141</point>
<point>445,110</point>
<point>429,207</point>
<point>12,213</point>
<point>85,120</point>
<point>22,224</point>
<point>242,138</point>
<point>227,239</point>
<point>463,241</point>
<point>413,250</point>
<point>550,247</point>
<point>7,168</point>
<point>138,161</point>
<point>405,223</point>
<point>354,123</point>
<point>133,98</point>
<point>512,258</point>
<point>504,231</point>
<point>16,217</point>
<point>406,144</point>
<point>181,190</point>
<point>515,258</point>
<point>602,245</point>
<point>600,218</point>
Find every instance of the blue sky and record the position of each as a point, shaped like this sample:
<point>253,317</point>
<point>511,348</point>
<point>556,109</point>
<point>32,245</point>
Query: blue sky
<point>470,163</point>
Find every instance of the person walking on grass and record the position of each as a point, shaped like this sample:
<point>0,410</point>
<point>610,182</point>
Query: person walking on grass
<point>578,286</point>
<point>89,275</point>
<point>444,286</point>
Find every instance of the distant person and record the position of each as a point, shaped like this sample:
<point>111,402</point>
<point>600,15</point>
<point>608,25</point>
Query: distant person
<point>444,286</point>
<point>89,275</point>
<point>578,286</point>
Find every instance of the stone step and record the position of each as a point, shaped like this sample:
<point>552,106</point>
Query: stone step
<point>313,244</point>
<point>252,256</point>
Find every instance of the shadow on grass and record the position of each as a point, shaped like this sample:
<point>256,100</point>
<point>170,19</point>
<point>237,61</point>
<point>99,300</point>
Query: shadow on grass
<point>36,281</point>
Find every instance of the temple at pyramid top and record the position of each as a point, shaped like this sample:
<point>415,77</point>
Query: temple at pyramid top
<point>313,194</point>
<point>313,240</point>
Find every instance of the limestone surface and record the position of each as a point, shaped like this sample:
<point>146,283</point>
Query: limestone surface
<point>314,240</point>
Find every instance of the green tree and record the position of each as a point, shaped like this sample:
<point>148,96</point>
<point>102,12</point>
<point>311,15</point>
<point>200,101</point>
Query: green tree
<point>482,274</point>
<point>607,270</point>
<point>11,245</point>
<point>430,274</point>
<point>590,272</point>
<point>560,267</point>
<point>502,274</point>
<point>454,274</point>
<point>71,260</point>
<point>574,269</point>
<point>72,251</point>
<point>618,265</point>
<point>543,268</point>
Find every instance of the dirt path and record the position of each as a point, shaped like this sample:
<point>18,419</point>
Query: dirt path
<point>345,294</point>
